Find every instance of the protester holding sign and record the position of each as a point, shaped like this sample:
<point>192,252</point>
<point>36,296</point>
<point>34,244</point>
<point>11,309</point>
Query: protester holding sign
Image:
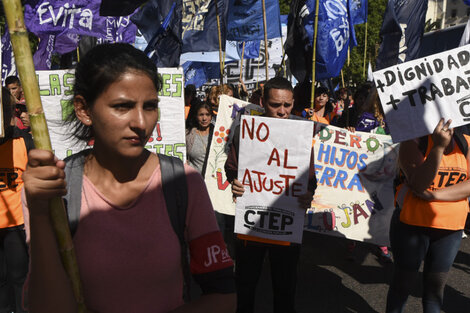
<point>250,251</point>
<point>128,253</point>
<point>432,207</point>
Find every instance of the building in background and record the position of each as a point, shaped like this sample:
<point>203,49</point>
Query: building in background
<point>446,13</point>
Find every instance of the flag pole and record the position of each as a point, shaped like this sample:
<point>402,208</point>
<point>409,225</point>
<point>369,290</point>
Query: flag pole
<point>314,58</point>
<point>241,61</point>
<point>25,67</point>
<point>365,53</point>
<point>220,43</point>
<point>342,78</point>
<point>263,2</point>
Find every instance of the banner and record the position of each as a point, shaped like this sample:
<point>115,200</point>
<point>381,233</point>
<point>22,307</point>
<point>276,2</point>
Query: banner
<point>355,173</point>
<point>230,110</point>
<point>415,95</point>
<point>273,165</point>
<point>358,11</point>
<point>79,17</point>
<point>245,20</point>
<point>168,137</point>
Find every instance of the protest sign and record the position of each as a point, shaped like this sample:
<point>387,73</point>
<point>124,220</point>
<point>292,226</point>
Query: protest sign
<point>415,95</point>
<point>274,168</point>
<point>168,137</point>
<point>355,173</point>
<point>230,110</point>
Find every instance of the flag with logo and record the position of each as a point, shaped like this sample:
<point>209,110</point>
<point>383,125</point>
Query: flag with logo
<point>245,20</point>
<point>401,32</point>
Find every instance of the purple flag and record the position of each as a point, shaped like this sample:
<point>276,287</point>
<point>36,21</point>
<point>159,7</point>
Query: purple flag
<point>42,56</point>
<point>8,60</point>
<point>80,17</point>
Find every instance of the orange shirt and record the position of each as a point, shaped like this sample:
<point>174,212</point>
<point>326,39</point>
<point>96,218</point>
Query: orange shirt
<point>323,119</point>
<point>440,214</point>
<point>13,159</point>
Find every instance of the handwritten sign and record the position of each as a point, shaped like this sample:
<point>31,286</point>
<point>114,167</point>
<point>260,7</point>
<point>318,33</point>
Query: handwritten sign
<point>415,95</point>
<point>273,167</point>
<point>354,197</point>
<point>168,137</point>
<point>228,117</point>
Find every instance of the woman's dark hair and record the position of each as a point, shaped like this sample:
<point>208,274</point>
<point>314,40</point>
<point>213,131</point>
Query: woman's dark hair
<point>102,66</point>
<point>191,121</point>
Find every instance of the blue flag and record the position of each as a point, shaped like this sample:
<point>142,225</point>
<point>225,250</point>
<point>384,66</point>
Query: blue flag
<point>358,11</point>
<point>336,34</point>
<point>198,73</point>
<point>251,50</point>
<point>199,25</point>
<point>401,32</point>
<point>467,2</point>
<point>245,20</point>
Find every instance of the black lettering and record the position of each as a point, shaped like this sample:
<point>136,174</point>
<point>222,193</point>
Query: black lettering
<point>11,179</point>
<point>420,71</point>
<point>435,91</point>
<point>380,85</point>
<point>451,62</point>
<point>459,83</point>
<point>286,220</point>
<point>447,86</point>
<point>409,75</point>
<point>429,67</point>
<point>422,94</point>
<point>400,77</point>
<point>410,94</point>
<point>438,65</point>
<point>450,180</point>
<point>462,109</point>
<point>247,221</point>
<point>389,77</point>
<point>442,175</point>
<point>464,57</point>
<point>262,215</point>
<point>462,178</point>
<point>273,220</point>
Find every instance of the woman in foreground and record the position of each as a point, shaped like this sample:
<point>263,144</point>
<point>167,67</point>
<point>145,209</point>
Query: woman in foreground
<point>128,253</point>
<point>432,207</point>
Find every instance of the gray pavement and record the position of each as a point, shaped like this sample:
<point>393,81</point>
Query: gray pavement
<point>328,282</point>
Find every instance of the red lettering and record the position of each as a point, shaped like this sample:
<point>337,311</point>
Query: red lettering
<point>355,141</point>
<point>286,155</point>
<point>247,127</point>
<point>339,138</point>
<point>274,156</point>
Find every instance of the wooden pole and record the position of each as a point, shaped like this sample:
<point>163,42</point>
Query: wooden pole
<point>29,82</point>
<point>241,61</point>
<point>342,78</point>
<point>314,57</point>
<point>365,54</point>
<point>266,56</point>
<point>221,64</point>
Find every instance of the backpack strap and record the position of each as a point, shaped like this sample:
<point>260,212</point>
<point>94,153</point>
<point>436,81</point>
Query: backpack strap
<point>176,197</point>
<point>460,140</point>
<point>74,178</point>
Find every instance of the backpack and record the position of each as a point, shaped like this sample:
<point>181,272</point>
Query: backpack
<point>174,190</point>
<point>423,147</point>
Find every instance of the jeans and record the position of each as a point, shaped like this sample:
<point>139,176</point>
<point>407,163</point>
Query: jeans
<point>13,268</point>
<point>248,266</point>
<point>412,245</point>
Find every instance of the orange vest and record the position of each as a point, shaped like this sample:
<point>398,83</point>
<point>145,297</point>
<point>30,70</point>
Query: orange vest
<point>440,214</point>
<point>13,159</point>
<point>323,119</point>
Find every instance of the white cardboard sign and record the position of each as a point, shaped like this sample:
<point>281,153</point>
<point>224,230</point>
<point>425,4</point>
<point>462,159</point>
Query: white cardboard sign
<point>415,95</point>
<point>168,137</point>
<point>273,166</point>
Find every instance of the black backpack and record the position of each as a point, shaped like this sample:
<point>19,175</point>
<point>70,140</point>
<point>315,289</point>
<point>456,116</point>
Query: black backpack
<point>174,189</point>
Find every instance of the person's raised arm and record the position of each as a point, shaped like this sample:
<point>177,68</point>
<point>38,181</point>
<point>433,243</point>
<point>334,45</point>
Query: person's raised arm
<point>49,288</point>
<point>420,172</point>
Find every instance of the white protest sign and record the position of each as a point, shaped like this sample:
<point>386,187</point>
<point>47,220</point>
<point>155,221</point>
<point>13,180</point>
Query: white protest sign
<point>168,137</point>
<point>230,110</point>
<point>273,167</point>
<point>355,173</point>
<point>415,95</point>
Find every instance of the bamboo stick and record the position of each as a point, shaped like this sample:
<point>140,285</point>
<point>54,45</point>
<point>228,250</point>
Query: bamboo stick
<point>220,44</point>
<point>342,78</point>
<point>365,53</point>
<point>314,57</point>
<point>29,82</point>
<point>241,61</point>
<point>266,56</point>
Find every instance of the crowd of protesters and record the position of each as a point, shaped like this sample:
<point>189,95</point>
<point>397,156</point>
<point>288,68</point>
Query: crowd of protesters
<point>127,251</point>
